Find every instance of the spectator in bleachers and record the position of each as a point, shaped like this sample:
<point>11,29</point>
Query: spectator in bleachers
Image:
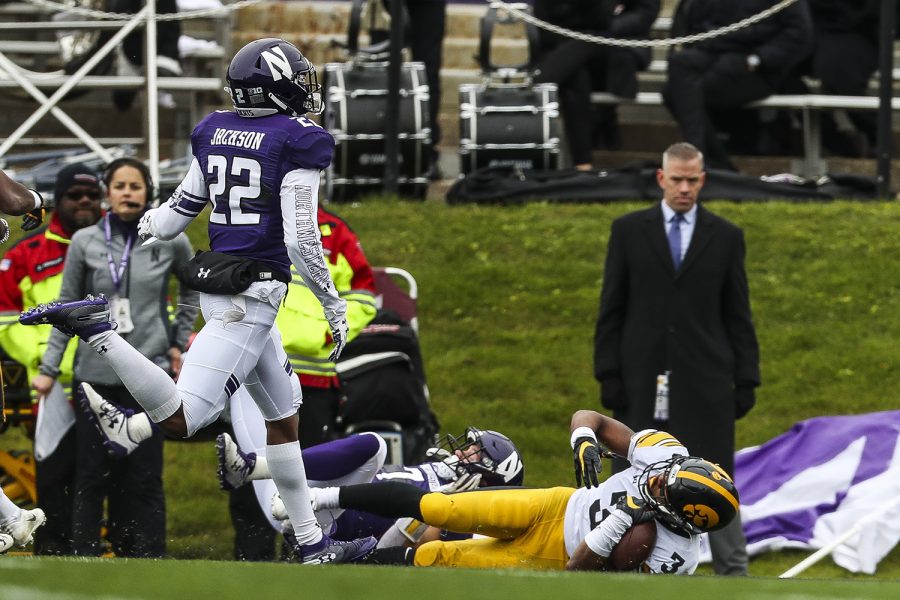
<point>844,58</point>
<point>615,69</point>
<point>567,63</point>
<point>731,70</point>
<point>131,60</point>
<point>425,39</point>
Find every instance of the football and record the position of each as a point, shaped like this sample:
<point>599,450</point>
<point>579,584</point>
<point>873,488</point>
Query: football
<point>634,547</point>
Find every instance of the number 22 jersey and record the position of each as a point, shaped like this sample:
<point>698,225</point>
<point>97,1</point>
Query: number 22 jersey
<point>246,168</point>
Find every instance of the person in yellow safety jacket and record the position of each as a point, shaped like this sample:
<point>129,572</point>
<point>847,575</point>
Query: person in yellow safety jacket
<point>306,335</point>
<point>31,274</point>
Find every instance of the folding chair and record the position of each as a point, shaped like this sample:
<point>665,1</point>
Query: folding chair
<point>396,290</point>
<point>392,295</point>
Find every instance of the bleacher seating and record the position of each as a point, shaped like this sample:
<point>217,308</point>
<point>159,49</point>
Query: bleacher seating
<point>29,40</point>
<point>318,27</point>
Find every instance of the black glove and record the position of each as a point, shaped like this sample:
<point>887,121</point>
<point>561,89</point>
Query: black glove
<point>636,509</point>
<point>744,399</point>
<point>612,393</point>
<point>33,219</point>
<point>587,462</point>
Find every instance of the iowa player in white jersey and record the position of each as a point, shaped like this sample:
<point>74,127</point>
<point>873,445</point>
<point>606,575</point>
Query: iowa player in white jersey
<point>563,527</point>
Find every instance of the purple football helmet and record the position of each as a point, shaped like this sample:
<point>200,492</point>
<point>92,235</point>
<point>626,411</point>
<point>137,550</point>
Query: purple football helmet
<point>271,76</point>
<point>490,453</point>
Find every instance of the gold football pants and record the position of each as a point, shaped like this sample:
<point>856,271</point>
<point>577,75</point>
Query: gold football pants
<point>525,528</point>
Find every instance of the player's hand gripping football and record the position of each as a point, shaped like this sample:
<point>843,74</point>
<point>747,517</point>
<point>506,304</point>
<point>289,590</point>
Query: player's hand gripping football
<point>635,510</point>
<point>587,462</point>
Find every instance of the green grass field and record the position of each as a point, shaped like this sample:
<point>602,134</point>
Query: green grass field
<point>508,301</point>
<point>64,579</point>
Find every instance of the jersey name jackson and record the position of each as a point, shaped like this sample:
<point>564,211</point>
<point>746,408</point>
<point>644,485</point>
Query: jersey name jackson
<point>244,163</point>
<point>239,139</point>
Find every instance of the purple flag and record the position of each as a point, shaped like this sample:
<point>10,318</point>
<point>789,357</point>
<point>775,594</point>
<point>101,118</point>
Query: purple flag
<point>813,483</point>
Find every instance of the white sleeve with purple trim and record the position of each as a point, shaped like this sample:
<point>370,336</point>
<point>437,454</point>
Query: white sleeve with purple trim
<point>299,210</point>
<point>185,203</point>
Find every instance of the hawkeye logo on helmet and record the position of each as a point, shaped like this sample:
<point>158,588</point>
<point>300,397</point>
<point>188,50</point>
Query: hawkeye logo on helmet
<point>278,65</point>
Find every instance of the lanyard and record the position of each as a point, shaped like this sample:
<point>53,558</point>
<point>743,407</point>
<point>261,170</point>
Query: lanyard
<point>129,241</point>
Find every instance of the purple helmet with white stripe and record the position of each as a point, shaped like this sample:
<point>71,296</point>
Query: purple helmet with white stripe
<point>271,76</point>
<point>489,453</point>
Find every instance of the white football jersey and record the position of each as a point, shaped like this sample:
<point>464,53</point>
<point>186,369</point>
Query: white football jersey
<point>674,553</point>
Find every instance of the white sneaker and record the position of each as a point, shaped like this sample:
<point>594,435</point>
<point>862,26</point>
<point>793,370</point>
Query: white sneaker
<point>234,467</point>
<point>21,527</point>
<point>279,512</point>
<point>6,542</point>
<point>110,420</point>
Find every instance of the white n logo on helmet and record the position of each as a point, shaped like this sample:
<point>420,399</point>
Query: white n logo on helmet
<point>278,65</point>
<point>509,467</point>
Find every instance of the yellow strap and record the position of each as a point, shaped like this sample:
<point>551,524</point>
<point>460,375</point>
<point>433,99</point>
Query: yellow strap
<point>57,238</point>
<point>582,449</point>
<point>709,482</point>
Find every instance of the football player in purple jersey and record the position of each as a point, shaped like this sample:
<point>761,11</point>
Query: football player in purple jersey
<point>477,458</point>
<point>259,167</point>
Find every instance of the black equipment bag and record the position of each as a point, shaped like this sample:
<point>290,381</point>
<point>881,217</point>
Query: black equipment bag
<point>218,273</point>
<point>382,379</point>
<point>513,185</point>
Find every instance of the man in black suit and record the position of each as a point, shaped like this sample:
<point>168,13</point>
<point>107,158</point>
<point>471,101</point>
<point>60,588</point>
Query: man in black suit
<point>675,346</point>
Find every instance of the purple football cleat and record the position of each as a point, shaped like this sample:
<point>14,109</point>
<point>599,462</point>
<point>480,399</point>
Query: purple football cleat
<point>234,466</point>
<point>328,550</point>
<point>83,318</point>
<point>110,420</point>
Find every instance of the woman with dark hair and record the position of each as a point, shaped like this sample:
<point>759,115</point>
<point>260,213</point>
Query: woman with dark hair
<point>109,259</point>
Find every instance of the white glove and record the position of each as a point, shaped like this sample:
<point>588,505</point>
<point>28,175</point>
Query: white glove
<point>145,225</point>
<point>464,483</point>
<point>436,454</point>
<point>339,333</point>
